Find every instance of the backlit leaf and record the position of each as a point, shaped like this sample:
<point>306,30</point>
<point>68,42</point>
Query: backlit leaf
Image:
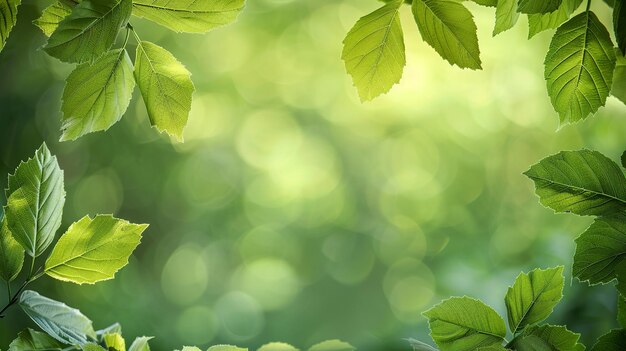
<point>543,21</point>
<point>277,346</point>
<point>549,338</point>
<point>332,345</point>
<point>31,340</point>
<point>52,16</point>
<point>140,344</point>
<point>8,18</point>
<point>11,254</point>
<point>538,6</point>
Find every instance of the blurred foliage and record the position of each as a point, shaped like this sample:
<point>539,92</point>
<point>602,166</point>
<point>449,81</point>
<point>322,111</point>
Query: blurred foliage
<point>297,213</point>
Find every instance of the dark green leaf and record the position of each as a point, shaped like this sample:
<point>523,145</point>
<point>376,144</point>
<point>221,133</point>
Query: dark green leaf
<point>538,6</point>
<point>549,338</point>
<point>30,340</point>
<point>615,340</point>
<point>8,18</point>
<point>619,25</point>
<point>539,22</point>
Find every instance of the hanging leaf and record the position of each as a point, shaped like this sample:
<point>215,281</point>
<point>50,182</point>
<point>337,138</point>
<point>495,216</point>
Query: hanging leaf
<point>506,16</point>
<point>538,6</point>
<point>540,22</point>
<point>619,25</point>
<point>8,18</point>
<point>52,16</point>
<point>11,254</point>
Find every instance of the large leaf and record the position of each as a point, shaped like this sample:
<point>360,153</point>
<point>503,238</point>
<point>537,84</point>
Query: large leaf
<point>449,28</point>
<point>277,346</point>
<point>464,324</point>
<point>579,67</point>
<point>332,345</point>
<point>506,15</point>
<point>11,254</point>
<point>52,16</point>
<point>373,51</point>
<point>583,182</point>
<point>533,296</point>
<point>8,18</point>
<point>618,88</point>
<point>543,21</point>
<point>189,15</point>
<point>140,344</point>
<point>35,201</point>
<point>600,249</point>
<point>93,249</point>
<point>97,94</point>
<point>549,338</point>
<point>63,323</point>
<point>89,31</point>
<point>31,340</point>
<point>538,6</point>
<point>619,25</point>
<point>615,340</point>
<point>166,88</point>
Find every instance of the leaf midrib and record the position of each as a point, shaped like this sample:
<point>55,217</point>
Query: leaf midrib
<point>623,201</point>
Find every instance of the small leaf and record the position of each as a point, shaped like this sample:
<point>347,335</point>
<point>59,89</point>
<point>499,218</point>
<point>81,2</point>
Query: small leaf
<point>8,18</point>
<point>543,21</point>
<point>114,342</point>
<point>373,51</point>
<point>506,16</point>
<point>618,87</point>
<point>93,250</point>
<point>89,31</point>
<point>449,28</point>
<point>52,16</point>
<point>464,324</point>
<point>579,67</point>
<point>600,249</point>
<point>550,338</point>
<point>111,329</point>
<point>223,348</point>
<point>30,340</point>
<point>332,345</point>
<point>420,346</point>
<point>35,201</point>
<point>166,88</point>
<point>533,296</point>
<point>63,323</point>
<point>140,344</point>
<point>538,6</point>
<point>582,182</point>
<point>619,25</point>
<point>277,346</point>
<point>615,340</point>
<point>11,254</point>
<point>97,95</point>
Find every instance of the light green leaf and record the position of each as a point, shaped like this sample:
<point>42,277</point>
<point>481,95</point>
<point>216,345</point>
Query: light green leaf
<point>618,87</point>
<point>449,28</point>
<point>373,51</point>
<point>35,201</point>
<point>495,347</point>
<point>464,324</point>
<point>89,31</point>
<point>93,250</point>
<point>97,94</point>
<point>63,323</point>
<point>114,342</point>
<point>223,348</point>
<point>140,344</point>
<point>189,15</point>
<point>113,328</point>
<point>615,340</point>
<point>166,88</point>
<point>277,346</point>
<point>600,249</point>
<point>549,338</point>
<point>582,182</point>
<point>332,345</point>
<point>533,296</point>
<point>579,67</point>
<point>52,16</point>
<point>92,347</point>
<point>490,3</point>
<point>11,254</point>
<point>543,21</point>
<point>30,340</point>
<point>506,16</point>
<point>8,18</point>
<point>420,346</point>
<point>192,348</point>
<point>538,6</point>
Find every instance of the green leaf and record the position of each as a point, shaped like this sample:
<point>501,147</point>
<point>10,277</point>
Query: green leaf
<point>189,15</point>
<point>194,348</point>
<point>111,329</point>
<point>495,347</point>
<point>538,6</point>
<point>579,67</point>
<point>618,87</point>
<point>35,201</point>
<point>463,323</point>
<point>222,348</point>
<point>89,31</point>
<point>490,3</point>
<point>621,310</point>
<point>277,346</point>
<point>332,345</point>
<point>140,344</point>
<point>619,25</point>
<point>11,254</point>
<point>373,51</point>
<point>97,94</point>
<point>615,340</point>
<point>600,249</point>
<point>549,338</point>
<point>52,16</point>
<point>506,16</point>
<point>8,18</point>
<point>420,346</point>
<point>166,88</point>
<point>92,347</point>
<point>533,296</point>
<point>63,323</point>
<point>543,21</point>
<point>30,340</point>
<point>582,182</point>
<point>93,250</point>
<point>449,28</point>
<point>114,342</point>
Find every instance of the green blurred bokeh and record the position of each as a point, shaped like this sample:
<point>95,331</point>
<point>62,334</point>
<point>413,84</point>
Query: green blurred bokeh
<point>293,212</point>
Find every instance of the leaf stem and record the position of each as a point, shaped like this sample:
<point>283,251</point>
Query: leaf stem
<point>8,290</point>
<point>588,5</point>
<point>13,300</point>
<point>128,29</point>
<point>132,29</point>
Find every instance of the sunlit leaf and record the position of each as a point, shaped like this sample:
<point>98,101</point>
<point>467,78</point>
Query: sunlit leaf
<point>615,340</point>
<point>11,254</point>
<point>332,345</point>
<point>538,6</point>
<point>277,346</point>
<point>490,3</point>
<point>31,340</point>
<point>140,344</point>
<point>52,16</point>
<point>464,324</point>
<point>618,88</point>
<point>35,201</point>
<point>549,338</point>
<point>63,323</point>
<point>579,67</point>
<point>8,18</point>
<point>113,328</point>
<point>582,182</point>
<point>506,15</point>
<point>93,250</point>
<point>92,347</point>
<point>540,22</point>
<point>114,342</point>
<point>449,28</point>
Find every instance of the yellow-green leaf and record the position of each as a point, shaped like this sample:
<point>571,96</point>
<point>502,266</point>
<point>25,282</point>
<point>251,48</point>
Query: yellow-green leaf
<point>8,18</point>
<point>11,254</point>
<point>52,16</point>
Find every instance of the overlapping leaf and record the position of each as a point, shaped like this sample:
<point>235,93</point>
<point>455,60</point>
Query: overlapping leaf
<point>615,340</point>
<point>8,18</point>
<point>619,25</point>
<point>539,22</point>
<point>506,15</point>
<point>11,253</point>
<point>52,16</point>
<point>549,338</point>
<point>140,344</point>
<point>538,6</point>
<point>31,340</point>
<point>618,88</point>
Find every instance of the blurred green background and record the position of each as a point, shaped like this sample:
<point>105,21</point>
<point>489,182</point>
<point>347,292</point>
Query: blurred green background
<point>293,212</point>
